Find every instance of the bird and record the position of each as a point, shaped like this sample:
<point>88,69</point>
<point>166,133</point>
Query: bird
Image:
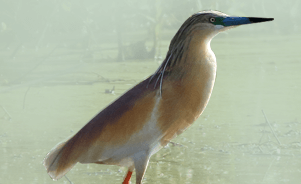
<point>144,119</point>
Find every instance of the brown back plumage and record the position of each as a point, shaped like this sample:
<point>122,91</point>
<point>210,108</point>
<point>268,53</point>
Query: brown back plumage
<point>65,155</point>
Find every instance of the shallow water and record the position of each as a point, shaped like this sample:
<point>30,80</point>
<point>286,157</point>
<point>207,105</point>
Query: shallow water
<point>230,143</point>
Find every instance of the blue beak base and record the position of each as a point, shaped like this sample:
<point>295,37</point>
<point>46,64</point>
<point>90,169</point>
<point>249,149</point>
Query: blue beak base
<point>235,21</point>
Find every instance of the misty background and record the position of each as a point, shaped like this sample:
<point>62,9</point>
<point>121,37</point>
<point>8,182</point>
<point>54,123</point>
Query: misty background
<point>61,62</point>
<point>126,25</point>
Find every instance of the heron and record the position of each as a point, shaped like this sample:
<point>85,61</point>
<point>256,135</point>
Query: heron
<point>144,119</point>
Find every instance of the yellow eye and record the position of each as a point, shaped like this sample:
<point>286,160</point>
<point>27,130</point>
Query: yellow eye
<point>212,19</point>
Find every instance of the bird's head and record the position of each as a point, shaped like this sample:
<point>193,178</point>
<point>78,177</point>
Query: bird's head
<point>212,22</point>
<point>194,36</point>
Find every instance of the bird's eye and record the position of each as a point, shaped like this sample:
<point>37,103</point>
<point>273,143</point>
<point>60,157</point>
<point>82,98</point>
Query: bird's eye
<point>212,19</point>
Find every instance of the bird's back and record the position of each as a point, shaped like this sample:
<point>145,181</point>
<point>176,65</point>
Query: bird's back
<point>112,134</point>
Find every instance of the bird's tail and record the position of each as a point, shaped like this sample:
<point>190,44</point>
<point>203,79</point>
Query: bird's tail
<point>60,160</point>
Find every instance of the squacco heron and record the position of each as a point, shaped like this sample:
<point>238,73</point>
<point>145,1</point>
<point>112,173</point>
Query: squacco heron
<point>144,119</point>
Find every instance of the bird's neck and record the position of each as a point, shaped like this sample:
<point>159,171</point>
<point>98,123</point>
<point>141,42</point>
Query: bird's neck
<point>190,56</point>
<point>187,87</point>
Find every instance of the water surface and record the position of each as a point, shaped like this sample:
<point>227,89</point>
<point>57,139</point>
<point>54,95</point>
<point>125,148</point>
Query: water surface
<point>231,143</point>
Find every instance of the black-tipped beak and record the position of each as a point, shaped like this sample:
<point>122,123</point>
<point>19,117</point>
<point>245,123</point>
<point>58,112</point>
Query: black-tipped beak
<point>258,19</point>
<point>235,21</point>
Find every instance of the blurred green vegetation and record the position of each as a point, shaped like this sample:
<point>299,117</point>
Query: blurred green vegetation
<point>79,24</point>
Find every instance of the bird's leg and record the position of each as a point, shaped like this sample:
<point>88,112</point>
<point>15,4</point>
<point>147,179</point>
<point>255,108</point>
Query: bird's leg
<point>128,176</point>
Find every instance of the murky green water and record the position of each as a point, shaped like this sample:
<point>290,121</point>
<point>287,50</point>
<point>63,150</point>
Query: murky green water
<point>230,143</point>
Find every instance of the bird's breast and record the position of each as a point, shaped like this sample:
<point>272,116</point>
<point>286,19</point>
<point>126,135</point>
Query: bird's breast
<point>184,100</point>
